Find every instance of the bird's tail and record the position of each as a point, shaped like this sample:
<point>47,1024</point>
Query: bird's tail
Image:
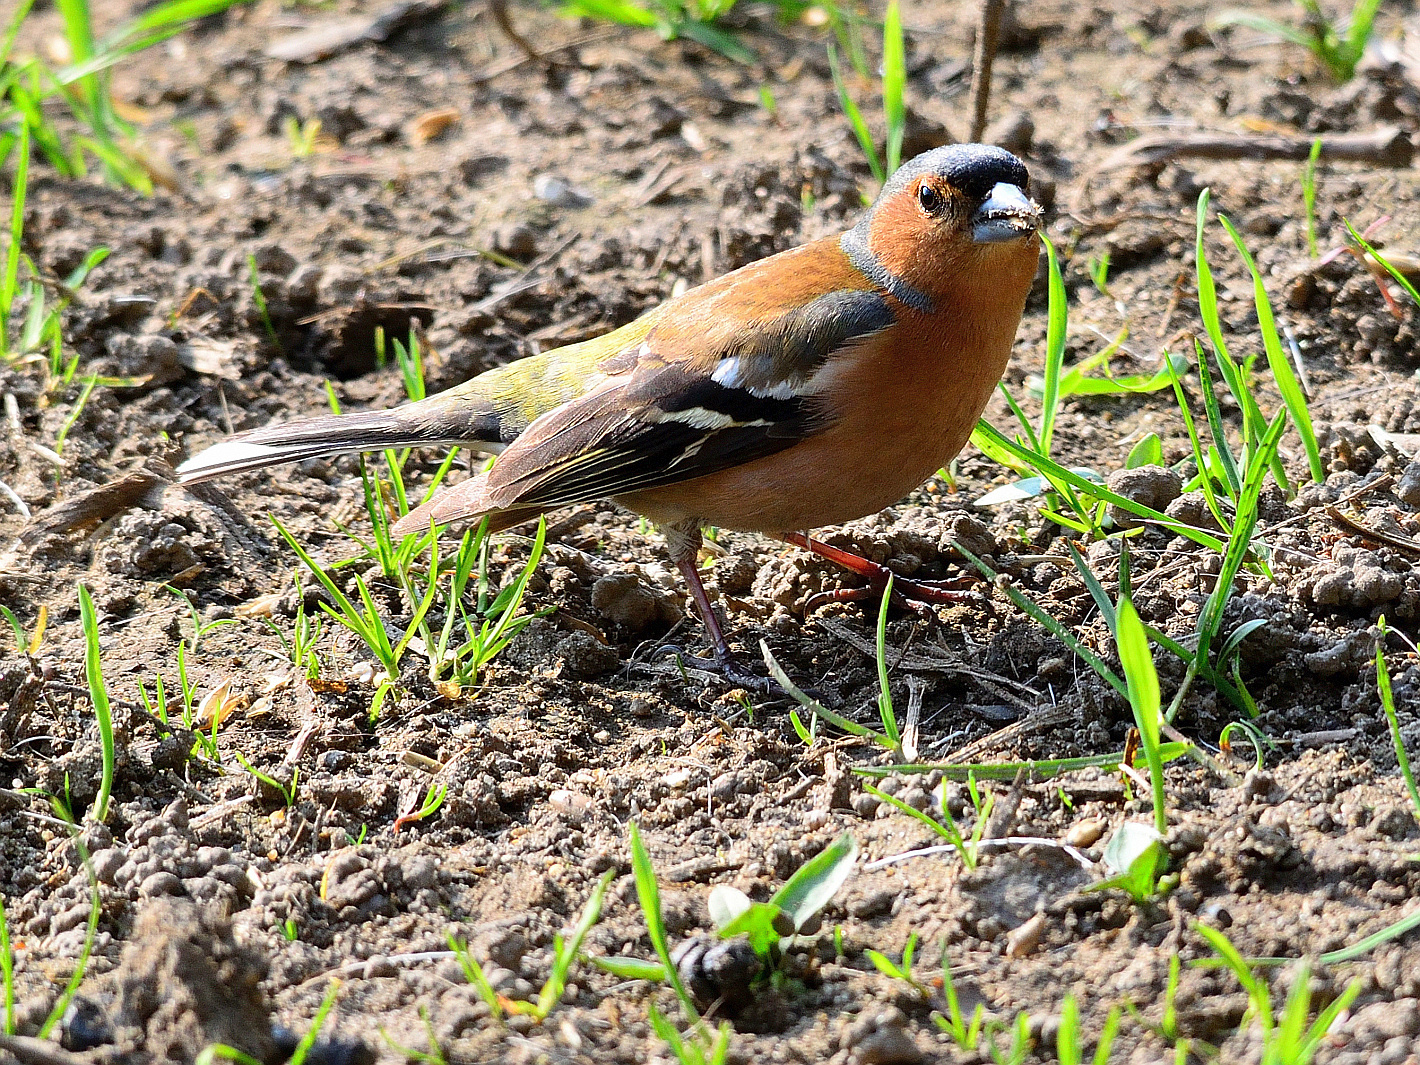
<point>415,424</point>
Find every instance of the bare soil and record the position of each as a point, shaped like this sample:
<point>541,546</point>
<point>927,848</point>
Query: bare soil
<point>225,914</point>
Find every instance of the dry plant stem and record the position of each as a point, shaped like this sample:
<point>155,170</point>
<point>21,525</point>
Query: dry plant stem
<point>1003,813</point>
<point>1343,519</point>
<point>988,36</point>
<point>1387,146</point>
<point>499,10</point>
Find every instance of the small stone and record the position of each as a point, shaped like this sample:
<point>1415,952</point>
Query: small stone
<point>725,787</point>
<point>274,260</point>
<point>916,798</point>
<point>888,1046</point>
<point>505,948</point>
<point>1184,36</point>
<point>516,240</point>
<point>735,574</point>
<point>1023,939</point>
<point>421,872</point>
<point>107,863</point>
<point>1407,489</point>
<point>584,656</point>
<point>558,192</point>
<point>1085,833</point>
<point>622,598</point>
<point>972,534</point>
<point>1152,486</point>
<point>378,966</point>
<point>1393,822</point>
<point>865,805</point>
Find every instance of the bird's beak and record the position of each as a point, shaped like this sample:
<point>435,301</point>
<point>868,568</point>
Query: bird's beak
<point>1007,214</point>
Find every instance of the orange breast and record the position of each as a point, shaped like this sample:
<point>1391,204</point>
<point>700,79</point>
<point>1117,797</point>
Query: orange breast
<point>906,401</point>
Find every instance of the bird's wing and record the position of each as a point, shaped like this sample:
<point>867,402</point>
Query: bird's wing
<point>701,393</point>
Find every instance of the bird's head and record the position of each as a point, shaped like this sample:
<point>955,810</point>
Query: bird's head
<point>947,216</point>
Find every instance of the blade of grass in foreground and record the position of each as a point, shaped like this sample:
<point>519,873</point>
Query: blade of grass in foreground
<point>894,83</point>
<point>649,894</point>
<point>1282,373</point>
<point>1053,470</point>
<point>1400,279</point>
<point>93,671</point>
<point>1056,326</point>
<point>1143,681</point>
<point>855,117</point>
<point>1388,705</point>
<point>10,280</point>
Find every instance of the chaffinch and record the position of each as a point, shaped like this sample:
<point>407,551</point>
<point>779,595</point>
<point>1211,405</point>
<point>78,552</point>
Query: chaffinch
<point>810,388</point>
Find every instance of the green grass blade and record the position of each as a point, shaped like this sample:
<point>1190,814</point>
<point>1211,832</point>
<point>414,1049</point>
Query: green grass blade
<point>1282,372</point>
<point>1214,415</point>
<point>1240,543</point>
<point>855,117</point>
<point>1388,705</point>
<point>79,35</point>
<point>7,974</point>
<point>1199,459</point>
<point>1400,278</point>
<point>1309,195</point>
<point>618,11</point>
<point>1097,592</point>
<point>1262,24</point>
<point>10,280</point>
<point>817,880</point>
<point>885,710</point>
<point>1057,323</point>
<point>894,85</point>
<point>1054,471</point>
<point>1040,769</point>
<point>719,40</point>
<point>649,894</point>
<point>1143,681</point>
<point>566,953</point>
<point>93,672</point>
<point>1207,290</point>
<point>1363,18</point>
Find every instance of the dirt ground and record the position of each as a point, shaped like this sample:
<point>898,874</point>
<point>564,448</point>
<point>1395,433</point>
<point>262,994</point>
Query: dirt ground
<point>617,170</point>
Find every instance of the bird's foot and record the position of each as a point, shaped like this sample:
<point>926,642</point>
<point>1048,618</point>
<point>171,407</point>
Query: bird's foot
<point>723,666</point>
<point>918,596</point>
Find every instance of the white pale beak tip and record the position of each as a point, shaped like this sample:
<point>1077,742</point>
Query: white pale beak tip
<point>1007,213</point>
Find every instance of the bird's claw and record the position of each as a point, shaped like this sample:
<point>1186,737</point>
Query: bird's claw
<point>723,667</point>
<point>917,596</point>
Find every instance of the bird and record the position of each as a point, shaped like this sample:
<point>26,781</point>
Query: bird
<point>810,388</point>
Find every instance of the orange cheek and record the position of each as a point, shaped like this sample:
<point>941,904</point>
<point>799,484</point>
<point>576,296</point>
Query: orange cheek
<point>900,235</point>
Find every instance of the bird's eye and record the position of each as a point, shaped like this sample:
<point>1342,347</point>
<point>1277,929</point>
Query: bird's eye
<point>929,198</point>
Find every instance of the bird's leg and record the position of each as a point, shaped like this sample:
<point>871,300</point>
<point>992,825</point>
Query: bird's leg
<point>905,591</point>
<point>683,540</point>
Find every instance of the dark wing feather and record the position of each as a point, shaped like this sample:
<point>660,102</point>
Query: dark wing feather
<point>658,422</point>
